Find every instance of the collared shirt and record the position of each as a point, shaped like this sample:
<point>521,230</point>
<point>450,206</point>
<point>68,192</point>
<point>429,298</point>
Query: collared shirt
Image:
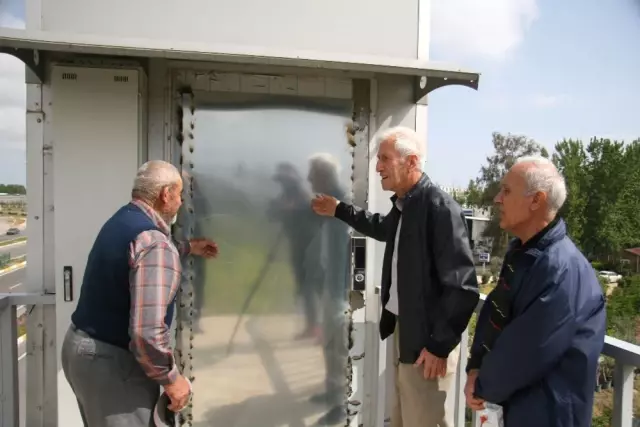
<point>393,304</point>
<point>154,280</point>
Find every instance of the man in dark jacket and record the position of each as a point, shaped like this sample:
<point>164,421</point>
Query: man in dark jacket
<point>541,330</point>
<point>429,285</point>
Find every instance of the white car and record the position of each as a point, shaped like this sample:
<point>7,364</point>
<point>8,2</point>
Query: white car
<point>610,276</point>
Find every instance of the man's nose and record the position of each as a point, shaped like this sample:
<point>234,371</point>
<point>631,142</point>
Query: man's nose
<point>378,167</point>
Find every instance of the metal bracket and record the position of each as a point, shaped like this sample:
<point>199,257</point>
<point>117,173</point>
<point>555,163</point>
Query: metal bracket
<point>423,86</point>
<point>31,58</point>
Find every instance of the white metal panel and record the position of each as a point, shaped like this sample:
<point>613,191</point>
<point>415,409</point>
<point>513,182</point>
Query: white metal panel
<point>356,26</point>
<point>95,149</point>
<point>35,254</point>
<point>164,47</point>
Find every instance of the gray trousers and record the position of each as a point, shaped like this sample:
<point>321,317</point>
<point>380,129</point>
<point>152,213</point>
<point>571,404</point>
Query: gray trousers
<point>111,388</point>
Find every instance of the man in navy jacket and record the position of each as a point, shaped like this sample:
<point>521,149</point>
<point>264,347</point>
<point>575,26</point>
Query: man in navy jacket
<point>541,330</point>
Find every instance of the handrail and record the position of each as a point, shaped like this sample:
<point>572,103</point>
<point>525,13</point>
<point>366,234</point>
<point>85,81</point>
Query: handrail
<point>627,358</point>
<point>9,383</point>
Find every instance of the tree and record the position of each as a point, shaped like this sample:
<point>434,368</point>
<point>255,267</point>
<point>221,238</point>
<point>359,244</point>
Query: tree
<point>507,149</point>
<point>12,189</point>
<point>572,162</point>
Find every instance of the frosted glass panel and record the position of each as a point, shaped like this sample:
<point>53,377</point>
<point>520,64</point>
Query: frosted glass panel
<point>269,316</point>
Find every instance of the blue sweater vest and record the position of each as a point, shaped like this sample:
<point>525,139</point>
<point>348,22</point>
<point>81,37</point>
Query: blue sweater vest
<point>105,300</point>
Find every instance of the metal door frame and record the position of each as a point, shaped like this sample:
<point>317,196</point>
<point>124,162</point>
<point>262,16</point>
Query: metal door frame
<point>185,84</point>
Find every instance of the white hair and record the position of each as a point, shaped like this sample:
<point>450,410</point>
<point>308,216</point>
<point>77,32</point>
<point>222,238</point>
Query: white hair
<point>152,177</point>
<point>544,176</point>
<point>406,141</point>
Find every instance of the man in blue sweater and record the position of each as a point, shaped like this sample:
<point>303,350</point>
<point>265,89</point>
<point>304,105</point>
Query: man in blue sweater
<point>116,353</point>
<point>541,330</point>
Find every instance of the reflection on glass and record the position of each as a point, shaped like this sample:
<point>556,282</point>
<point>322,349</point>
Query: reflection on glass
<point>270,346</point>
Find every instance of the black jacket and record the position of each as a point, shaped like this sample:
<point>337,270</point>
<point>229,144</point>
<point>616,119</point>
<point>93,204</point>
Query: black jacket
<point>437,283</point>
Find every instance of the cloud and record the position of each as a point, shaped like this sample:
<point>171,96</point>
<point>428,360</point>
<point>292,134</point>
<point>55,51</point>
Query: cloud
<point>13,96</point>
<point>480,28</point>
<point>8,20</point>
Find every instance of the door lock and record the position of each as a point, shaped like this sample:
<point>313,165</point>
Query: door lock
<point>358,249</point>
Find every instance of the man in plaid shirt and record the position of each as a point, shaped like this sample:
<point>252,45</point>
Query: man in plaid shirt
<point>116,353</point>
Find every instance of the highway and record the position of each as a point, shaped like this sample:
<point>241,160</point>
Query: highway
<point>3,236</point>
<point>13,281</point>
<point>16,250</point>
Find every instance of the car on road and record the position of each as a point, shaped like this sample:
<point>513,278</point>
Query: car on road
<point>13,231</point>
<point>610,276</point>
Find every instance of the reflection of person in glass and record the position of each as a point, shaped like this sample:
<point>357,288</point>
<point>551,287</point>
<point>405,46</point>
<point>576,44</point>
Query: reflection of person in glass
<point>299,223</point>
<point>334,258</point>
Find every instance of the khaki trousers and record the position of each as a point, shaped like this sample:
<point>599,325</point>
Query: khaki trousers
<point>420,402</point>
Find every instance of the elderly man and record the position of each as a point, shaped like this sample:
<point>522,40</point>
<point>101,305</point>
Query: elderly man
<point>429,285</point>
<point>541,330</point>
<point>116,353</point>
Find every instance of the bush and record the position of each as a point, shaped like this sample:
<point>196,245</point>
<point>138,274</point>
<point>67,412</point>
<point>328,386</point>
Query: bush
<point>485,278</point>
<point>622,310</point>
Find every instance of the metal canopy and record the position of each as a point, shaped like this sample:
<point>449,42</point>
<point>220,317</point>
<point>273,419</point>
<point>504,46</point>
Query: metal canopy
<point>428,76</point>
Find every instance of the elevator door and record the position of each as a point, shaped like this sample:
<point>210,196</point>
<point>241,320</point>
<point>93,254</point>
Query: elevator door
<point>268,319</point>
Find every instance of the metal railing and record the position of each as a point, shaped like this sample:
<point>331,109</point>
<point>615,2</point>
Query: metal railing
<point>625,354</point>
<point>10,305</point>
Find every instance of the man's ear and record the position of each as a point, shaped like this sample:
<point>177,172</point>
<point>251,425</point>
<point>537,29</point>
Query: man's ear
<point>539,200</point>
<point>413,161</point>
<point>164,194</point>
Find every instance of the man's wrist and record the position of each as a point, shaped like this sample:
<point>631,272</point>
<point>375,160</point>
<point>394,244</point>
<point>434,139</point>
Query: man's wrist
<point>171,377</point>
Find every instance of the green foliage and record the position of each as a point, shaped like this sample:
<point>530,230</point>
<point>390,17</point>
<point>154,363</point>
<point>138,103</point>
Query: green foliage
<point>12,189</point>
<point>623,306</point>
<point>603,183</point>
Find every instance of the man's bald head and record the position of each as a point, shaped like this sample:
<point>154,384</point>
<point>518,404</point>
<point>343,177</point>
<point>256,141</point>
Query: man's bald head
<point>541,175</point>
<point>531,193</point>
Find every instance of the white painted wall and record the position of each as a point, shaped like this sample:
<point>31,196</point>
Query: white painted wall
<point>95,151</point>
<point>375,27</point>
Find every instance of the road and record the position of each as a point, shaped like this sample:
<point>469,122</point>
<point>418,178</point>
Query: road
<point>16,250</point>
<point>23,233</point>
<point>13,281</point>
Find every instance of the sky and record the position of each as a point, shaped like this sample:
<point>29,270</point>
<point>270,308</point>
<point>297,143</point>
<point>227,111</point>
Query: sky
<point>550,70</point>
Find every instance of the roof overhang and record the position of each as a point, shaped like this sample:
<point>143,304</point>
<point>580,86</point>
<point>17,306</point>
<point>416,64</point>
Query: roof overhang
<point>28,45</point>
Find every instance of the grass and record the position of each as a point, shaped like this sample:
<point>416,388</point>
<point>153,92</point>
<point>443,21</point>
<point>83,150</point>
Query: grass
<point>245,242</point>
<point>13,241</point>
<point>14,261</point>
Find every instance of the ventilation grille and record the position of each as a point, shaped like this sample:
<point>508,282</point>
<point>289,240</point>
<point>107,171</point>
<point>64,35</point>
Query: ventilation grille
<point>69,76</point>
<point>121,79</point>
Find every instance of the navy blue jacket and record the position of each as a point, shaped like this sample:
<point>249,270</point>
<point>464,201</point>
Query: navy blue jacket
<point>105,299</point>
<point>542,367</point>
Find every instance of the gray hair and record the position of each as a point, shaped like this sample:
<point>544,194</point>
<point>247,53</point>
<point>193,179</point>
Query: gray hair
<point>325,162</point>
<point>152,177</point>
<point>406,141</point>
<point>544,176</point>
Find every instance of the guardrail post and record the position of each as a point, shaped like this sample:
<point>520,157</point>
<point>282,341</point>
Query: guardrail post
<point>623,376</point>
<point>461,379</point>
<point>9,394</point>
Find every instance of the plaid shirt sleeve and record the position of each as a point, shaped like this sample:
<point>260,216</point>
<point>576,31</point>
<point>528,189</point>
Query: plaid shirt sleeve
<point>153,280</point>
